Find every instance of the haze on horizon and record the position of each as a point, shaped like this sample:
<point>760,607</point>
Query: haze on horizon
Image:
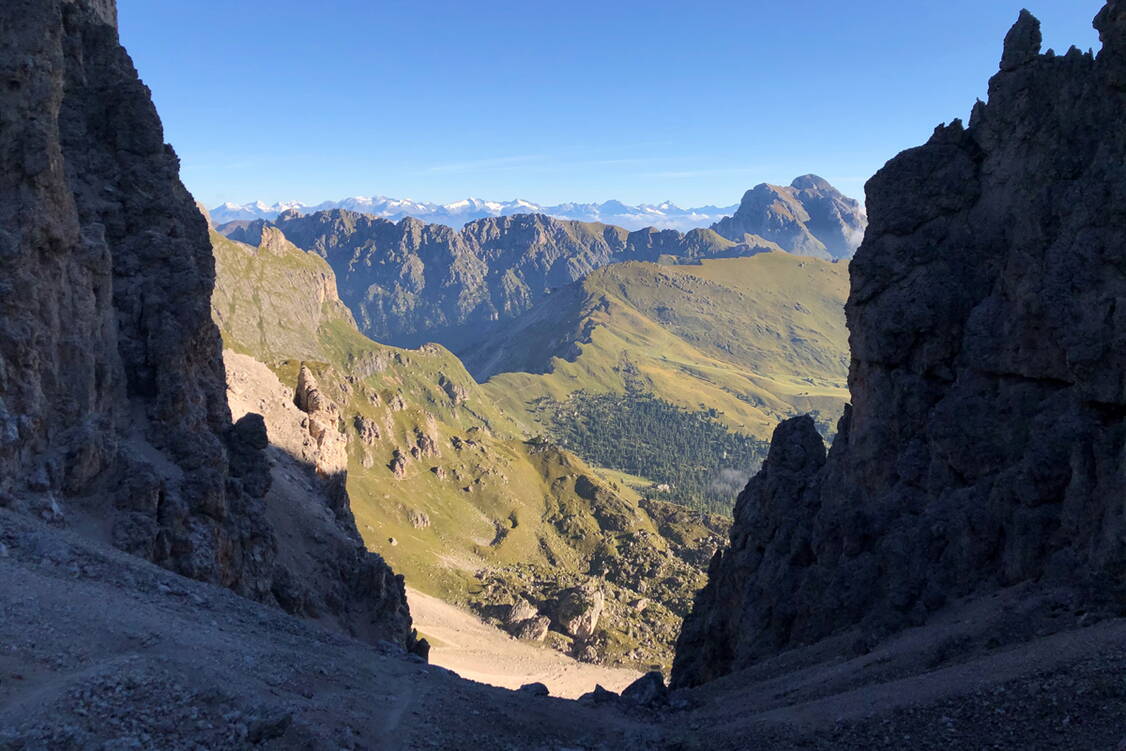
<point>639,102</point>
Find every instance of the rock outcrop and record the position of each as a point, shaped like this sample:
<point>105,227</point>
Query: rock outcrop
<point>322,423</point>
<point>113,412</point>
<point>809,217</point>
<point>579,609</point>
<point>986,444</point>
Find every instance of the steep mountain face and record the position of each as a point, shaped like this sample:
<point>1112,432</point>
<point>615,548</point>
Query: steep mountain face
<point>275,300</point>
<point>666,215</point>
<point>742,342</point>
<point>986,445</point>
<point>113,417</point>
<point>409,282</point>
<point>441,481</point>
<point>810,218</point>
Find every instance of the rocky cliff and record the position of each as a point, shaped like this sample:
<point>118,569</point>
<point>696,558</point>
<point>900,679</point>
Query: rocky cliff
<point>809,217</point>
<point>410,282</point>
<point>113,414</point>
<point>986,444</point>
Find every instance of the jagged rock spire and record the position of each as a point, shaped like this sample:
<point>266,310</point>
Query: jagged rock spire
<point>1111,24</point>
<point>1022,43</point>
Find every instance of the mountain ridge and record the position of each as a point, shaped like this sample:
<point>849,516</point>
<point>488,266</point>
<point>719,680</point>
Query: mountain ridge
<point>409,282</point>
<point>741,342</point>
<point>665,215</point>
<point>456,214</point>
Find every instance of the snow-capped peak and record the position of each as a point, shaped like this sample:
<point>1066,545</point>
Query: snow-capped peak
<point>666,215</point>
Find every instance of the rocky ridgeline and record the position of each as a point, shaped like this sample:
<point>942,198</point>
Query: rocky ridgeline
<point>408,282</point>
<point>113,412</point>
<point>986,443</point>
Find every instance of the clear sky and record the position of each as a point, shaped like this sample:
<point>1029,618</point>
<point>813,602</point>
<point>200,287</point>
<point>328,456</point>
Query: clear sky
<point>690,101</point>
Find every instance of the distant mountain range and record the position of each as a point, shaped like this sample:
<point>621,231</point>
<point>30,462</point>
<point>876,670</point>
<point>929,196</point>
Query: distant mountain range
<point>409,282</point>
<point>662,216</point>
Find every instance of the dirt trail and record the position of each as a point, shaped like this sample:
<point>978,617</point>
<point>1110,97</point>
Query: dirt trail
<point>477,651</point>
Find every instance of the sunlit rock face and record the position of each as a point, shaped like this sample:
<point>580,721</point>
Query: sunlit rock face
<point>986,443</point>
<point>808,217</point>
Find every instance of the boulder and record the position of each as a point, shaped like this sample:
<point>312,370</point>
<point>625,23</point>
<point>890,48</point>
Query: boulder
<point>579,609</point>
<point>520,611</point>
<point>533,629</point>
<point>647,691</point>
<point>599,696</point>
<point>534,689</point>
<point>366,429</point>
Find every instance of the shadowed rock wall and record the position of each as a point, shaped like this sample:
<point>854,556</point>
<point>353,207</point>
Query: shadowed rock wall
<point>986,443</point>
<point>113,411</point>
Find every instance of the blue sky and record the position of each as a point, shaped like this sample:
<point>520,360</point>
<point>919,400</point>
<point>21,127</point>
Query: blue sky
<point>553,101</point>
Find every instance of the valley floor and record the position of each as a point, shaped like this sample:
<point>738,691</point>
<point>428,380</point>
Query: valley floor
<point>473,649</point>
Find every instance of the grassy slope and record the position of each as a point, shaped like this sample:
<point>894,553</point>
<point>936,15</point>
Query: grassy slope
<point>729,334</point>
<point>495,501</point>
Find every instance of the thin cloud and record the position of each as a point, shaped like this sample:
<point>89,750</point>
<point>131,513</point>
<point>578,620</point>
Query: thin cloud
<point>683,174</point>
<point>479,165</point>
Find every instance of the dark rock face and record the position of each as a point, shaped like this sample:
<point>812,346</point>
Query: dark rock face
<point>112,393</point>
<point>810,218</point>
<point>408,282</point>
<point>647,691</point>
<point>986,444</point>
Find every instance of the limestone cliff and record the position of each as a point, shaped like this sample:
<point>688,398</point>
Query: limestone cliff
<point>408,282</point>
<point>986,444</point>
<point>808,217</point>
<point>113,413</point>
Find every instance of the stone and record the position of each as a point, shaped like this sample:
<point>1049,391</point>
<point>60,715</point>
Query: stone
<point>366,429</point>
<point>579,609</point>
<point>647,691</point>
<point>521,610</point>
<point>598,696</point>
<point>457,393</point>
<point>532,629</point>
<point>331,455</point>
<point>986,442</point>
<point>425,443</point>
<point>246,443</point>
<point>534,689</point>
<point>398,464</point>
<point>420,648</point>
